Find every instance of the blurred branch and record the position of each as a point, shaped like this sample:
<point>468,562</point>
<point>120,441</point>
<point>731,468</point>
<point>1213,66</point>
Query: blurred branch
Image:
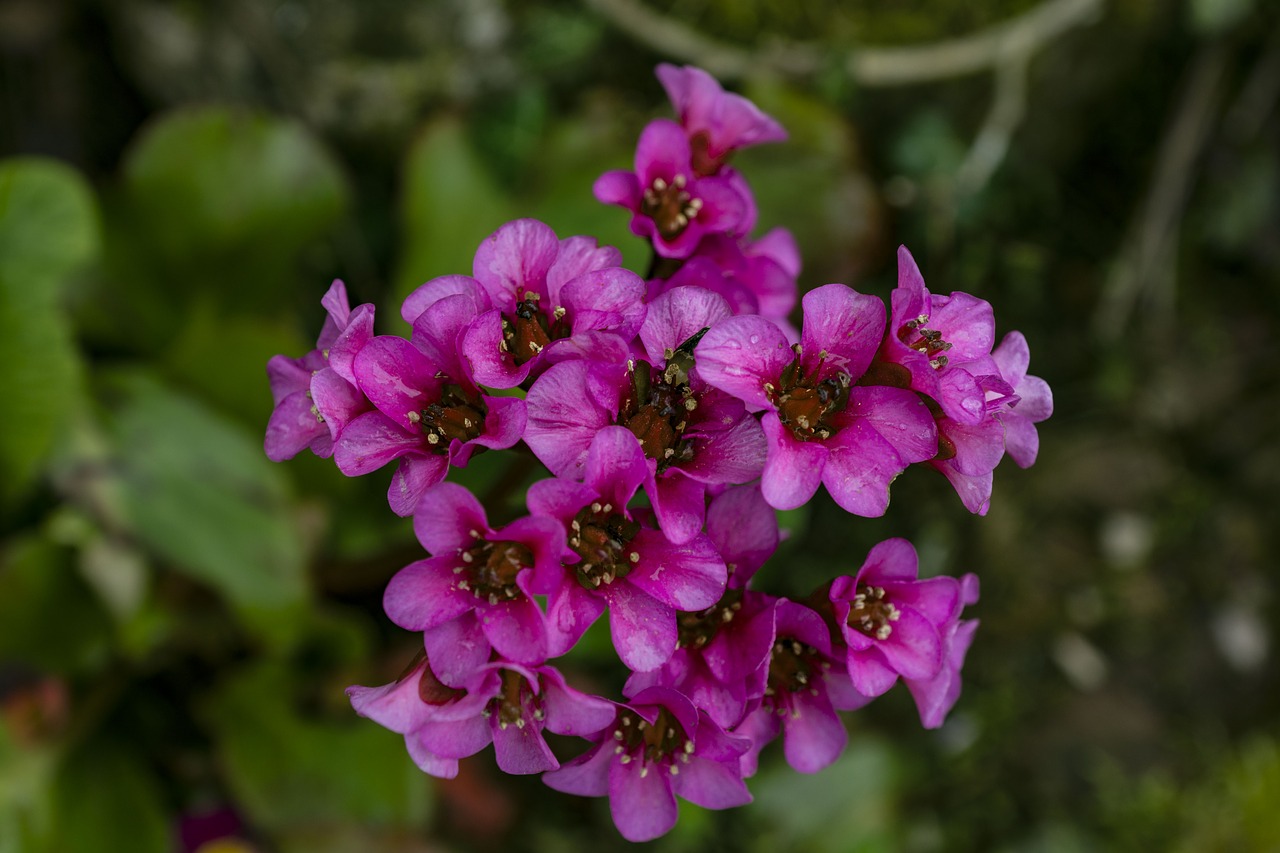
<point>992,142</point>
<point>1146,267</point>
<point>869,66</point>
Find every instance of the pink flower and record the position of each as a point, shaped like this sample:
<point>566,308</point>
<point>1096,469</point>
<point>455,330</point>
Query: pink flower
<point>429,413</point>
<point>615,560</point>
<point>316,396</point>
<point>936,696</point>
<point>943,342</point>
<point>501,703</point>
<point>892,622</point>
<point>1034,403</point>
<point>671,204</point>
<point>659,747</point>
<point>475,571</point>
<point>535,295</point>
<point>804,687</point>
<point>822,428</point>
<point>718,122</point>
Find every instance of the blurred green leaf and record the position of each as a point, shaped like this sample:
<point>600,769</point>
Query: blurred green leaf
<point>450,204</point>
<point>105,799</point>
<point>215,201</point>
<point>26,773</point>
<point>48,230</point>
<point>49,618</point>
<point>289,771</point>
<point>846,807</point>
<point>198,490</point>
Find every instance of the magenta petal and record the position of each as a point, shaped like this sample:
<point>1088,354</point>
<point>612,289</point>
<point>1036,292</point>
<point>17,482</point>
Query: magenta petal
<point>293,426</point>
<point>609,300</point>
<point>515,259</point>
<point>416,473</point>
<point>371,441</point>
<point>961,397</point>
<point>395,706</point>
<point>641,800</point>
<point>891,560</point>
<point>935,697</point>
<point>456,649</point>
<point>578,255</point>
<point>1037,399</point>
<point>491,366</point>
<point>291,375</point>
<point>936,599</point>
<point>848,326</point>
<point>618,187</point>
<point>516,629</point>
<point>565,418</point>
<point>336,400</point>
<point>678,503</point>
<point>504,424</point>
<point>1021,439</point>
<point>676,316</point>
<point>813,735</point>
<point>616,465</point>
<point>426,295</point>
<point>425,594</point>
<point>735,454</point>
<point>689,576</point>
<point>914,649</point>
<point>570,712</point>
<point>966,322</point>
<point>571,610</point>
<point>869,671</point>
<point>445,517</point>
<point>396,377</point>
<point>455,738</point>
<point>794,468</point>
<point>643,629</point>
<point>520,750</point>
<point>438,331</point>
<point>739,355</point>
<point>974,491</point>
<point>744,528</point>
<point>711,785</point>
<point>427,761</point>
<point>587,775</point>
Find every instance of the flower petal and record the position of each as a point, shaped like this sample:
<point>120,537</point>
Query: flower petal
<point>794,468</point>
<point>641,800</point>
<point>643,628</point>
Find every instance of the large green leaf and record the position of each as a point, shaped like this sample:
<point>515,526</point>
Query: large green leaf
<point>289,771</point>
<point>450,204</point>
<point>48,231</point>
<point>198,491</point>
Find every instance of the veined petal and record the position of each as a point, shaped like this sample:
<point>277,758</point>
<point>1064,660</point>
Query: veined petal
<point>445,518</point>
<point>711,784</point>
<point>610,300</point>
<point>396,377</point>
<point>794,468</point>
<point>676,316</point>
<point>845,325</point>
<point>520,750</point>
<point>587,775</point>
<point>571,712</point>
<point>425,295</point>
<point>641,800</point>
<point>740,355</point>
<point>813,734</point>
<point>414,475</point>
<point>643,628</point>
<point>516,628</point>
<point>456,649</point>
<point>688,576</point>
<point>425,594</point>
<point>515,259</point>
<point>371,441</point>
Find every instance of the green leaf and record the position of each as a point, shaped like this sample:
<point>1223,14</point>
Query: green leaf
<point>48,231</point>
<point>199,492</point>
<point>290,771</point>
<point>450,204</point>
<point>49,617</point>
<point>106,800</point>
<point>214,201</point>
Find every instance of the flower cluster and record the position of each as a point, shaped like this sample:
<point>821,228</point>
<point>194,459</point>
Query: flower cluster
<point>673,417</point>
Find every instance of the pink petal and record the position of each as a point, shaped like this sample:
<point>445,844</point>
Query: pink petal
<point>710,784</point>
<point>813,735</point>
<point>689,576</point>
<point>571,610</point>
<point>676,316</point>
<point>396,377</point>
<point>426,295</point>
<point>740,355</point>
<point>587,775</point>
<point>794,468</point>
<point>520,750</point>
<point>371,441</point>
<point>293,426</point>
<point>641,800</point>
<point>516,629</point>
<point>425,594</point>
<point>416,473</point>
<point>848,326</point>
<point>445,517</point>
<point>570,712</point>
<point>515,259</point>
<point>610,300</point>
<point>618,187</point>
<point>456,649</point>
<point>678,504</point>
<point>643,629</point>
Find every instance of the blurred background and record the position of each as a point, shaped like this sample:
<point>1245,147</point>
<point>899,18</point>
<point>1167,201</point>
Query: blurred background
<point>180,182</point>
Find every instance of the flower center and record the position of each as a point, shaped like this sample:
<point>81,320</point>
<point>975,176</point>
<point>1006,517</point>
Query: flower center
<point>927,342</point>
<point>515,702</point>
<point>871,613</point>
<point>600,537</point>
<point>527,330</point>
<point>656,408</point>
<point>661,741</point>
<point>670,206</point>
<point>492,567</point>
<point>793,665</point>
<point>806,404</point>
<point>698,629</point>
<point>457,414</point>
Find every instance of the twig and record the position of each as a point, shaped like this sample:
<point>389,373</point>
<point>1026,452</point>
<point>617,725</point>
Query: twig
<point>868,66</point>
<point>1002,120</point>
<point>1146,268</point>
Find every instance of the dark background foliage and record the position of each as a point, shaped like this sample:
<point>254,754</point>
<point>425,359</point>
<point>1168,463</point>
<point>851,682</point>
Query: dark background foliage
<point>181,181</point>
